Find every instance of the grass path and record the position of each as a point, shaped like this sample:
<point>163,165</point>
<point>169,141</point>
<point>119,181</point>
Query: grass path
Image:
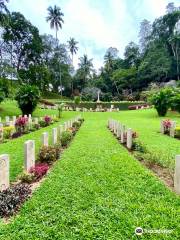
<point>96,191</point>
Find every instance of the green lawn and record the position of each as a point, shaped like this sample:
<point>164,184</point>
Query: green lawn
<point>147,125</point>
<point>96,191</point>
<point>10,108</point>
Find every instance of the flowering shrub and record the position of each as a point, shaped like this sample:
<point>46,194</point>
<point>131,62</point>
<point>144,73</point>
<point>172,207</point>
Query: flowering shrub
<point>47,120</point>
<point>21,124</point>
<point>66,138</point>
<point>8,131</point>
<point>167,125</point>
<point>39,170</point>
<point>47,154</point>
<point>177,131</point>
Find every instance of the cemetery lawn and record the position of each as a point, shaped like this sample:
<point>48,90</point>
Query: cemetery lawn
<point>96,191</point>
<point>15,147</point>
<point>147,124</point>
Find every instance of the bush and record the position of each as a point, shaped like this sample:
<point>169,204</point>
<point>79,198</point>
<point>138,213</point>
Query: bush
<point>60,109</point>
<point>47,120</point>
<point>39,170</point>
<point>21,124</point>
<point>66,138</point>
<point>8,131</point>
<point>28,97</point>
<point>175,102</point>
<point>77,100</point>
<point>47,154</point>
<point>76,124</point>
<point>26,177</point>
<point>12,198</point>
<point>161,101</point>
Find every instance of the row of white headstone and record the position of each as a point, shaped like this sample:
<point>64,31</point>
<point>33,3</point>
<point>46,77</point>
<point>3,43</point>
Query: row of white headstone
<point>172,128</point>
<point>11,122</point>
<point>29,152</point>
<point>120,130</point>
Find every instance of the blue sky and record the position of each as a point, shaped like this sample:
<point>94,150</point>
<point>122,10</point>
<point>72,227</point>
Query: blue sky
<point>95,24</point>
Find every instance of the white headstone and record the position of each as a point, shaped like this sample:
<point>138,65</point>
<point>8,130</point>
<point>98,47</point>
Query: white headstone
<point>172,129</point>
<point>45,141</point>
<point>7,119</point>
<point>54,136</point>
<point>118,130</point>
<point>36,121</point>
<point>129,138</point>
<point>162,127</point>
<point>60,130</point>
<point>177,174</point>
<point>29,155</point>
<point>4,172</point>
<point>14,119</point>
<point>1,131</point>
<point>122,133</point>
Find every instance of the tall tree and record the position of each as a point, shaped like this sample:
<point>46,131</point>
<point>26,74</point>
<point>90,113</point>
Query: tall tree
<point>109,57</point>
<point>73,48</point>
<point>144,34</point>
<point>132,54</point>
<point>72,45</point>
<point>85,67</point>
<point>55,17</point>
<point>3,12</point>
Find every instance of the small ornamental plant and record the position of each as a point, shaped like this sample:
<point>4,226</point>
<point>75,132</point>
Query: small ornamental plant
<point>21,124</point>
<point>47,120</point>
<point>8,131</point>
<point>177,132</point>
<point>39,170</point>
<point>47,154</point>
<point>167,125</point>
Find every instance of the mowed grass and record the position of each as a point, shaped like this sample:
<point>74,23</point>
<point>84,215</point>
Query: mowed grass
<point>10,108</point>
<point>15,147</point>
<point>96,191</point>
<point>147,124</point>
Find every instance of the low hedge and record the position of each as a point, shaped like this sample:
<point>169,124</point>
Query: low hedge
<point>123,105</point>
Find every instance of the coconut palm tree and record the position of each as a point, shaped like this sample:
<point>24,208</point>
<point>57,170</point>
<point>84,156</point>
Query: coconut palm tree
<point>86,66</point>
<point>72,45</point>
<point>55,18</point>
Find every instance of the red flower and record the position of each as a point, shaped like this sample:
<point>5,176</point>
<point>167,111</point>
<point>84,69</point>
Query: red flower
<point>39,170</point>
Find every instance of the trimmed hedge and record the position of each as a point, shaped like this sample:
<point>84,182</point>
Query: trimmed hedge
<point>123,105</point>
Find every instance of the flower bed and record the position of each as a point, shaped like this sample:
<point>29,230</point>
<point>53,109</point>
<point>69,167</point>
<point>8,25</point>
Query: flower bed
<point>24,125</point>
<point>169,128</point>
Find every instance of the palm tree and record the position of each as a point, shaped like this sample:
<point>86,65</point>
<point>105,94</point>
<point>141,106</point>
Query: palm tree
<point>72,45</point>
<point>86,66</point>
<point>55,18</point>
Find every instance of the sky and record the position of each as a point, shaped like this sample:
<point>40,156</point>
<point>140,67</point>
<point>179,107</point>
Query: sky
<point>95,24</point>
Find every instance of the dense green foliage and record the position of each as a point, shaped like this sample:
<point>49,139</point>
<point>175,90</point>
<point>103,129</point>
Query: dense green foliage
<point>97,191</point>
<point>27,98</point>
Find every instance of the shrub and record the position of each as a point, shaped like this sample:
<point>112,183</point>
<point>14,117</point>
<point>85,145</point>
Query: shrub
<point>26,177</point>
<point>39,170</point>
<point>66,138</point>
<point>167,125</point>
<point>76,124</point>
<point>16,135</point>
<point>77,100</point>
<point>47,120</point>
<point>21,124</point>
<point>12,198</point>
<point>42,123</point>
<point>8,131</point>
<point>161,101</point>
<point>27,98</point>
<point>47,154</point>
<point>175,102</point>
<point>177,131</point>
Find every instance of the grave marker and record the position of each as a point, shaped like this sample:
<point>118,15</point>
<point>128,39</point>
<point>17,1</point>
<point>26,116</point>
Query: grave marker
<point>4,172</point>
